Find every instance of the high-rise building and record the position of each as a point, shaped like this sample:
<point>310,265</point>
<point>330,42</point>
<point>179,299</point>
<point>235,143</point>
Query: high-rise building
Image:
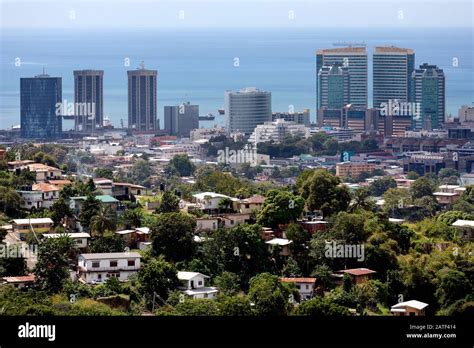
<point>356,119</point>
<point>40,107</point>
<point>89,89</point>
<point>181,119</point>
<point>142,99</point>
<point>333,82</point>
<point>428,88</point>
<point>392,69</point>
<point>246,109</point>
<point>355,60</point>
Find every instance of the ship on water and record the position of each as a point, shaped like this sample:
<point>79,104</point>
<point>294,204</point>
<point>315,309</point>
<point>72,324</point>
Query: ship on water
<point>208,117</point>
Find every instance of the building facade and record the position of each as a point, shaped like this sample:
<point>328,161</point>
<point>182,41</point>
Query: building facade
<point>96,268</point>
<point>39,98</point>
<point>181,119</point>
<point>246,109</point>
<point>428,89</point>
<point>392,71</point>
<point>142,101</point>
<point>333,82</point>
<point>355,59</point>
<point>89,90</point>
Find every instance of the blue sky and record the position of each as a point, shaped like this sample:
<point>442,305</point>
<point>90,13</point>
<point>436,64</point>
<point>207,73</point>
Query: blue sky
<point>136,14</point>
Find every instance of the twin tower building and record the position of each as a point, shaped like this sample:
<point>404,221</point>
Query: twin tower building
<point>42,107</point>
<point>342,82</point>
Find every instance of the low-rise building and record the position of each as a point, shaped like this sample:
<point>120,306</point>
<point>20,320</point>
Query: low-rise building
<point>411,308</point>
<point>96,268</point>
<point>80,238</point>
<point>22,227</point>
<point>42,171</point>
<point>19,282</point>
<point>305,286</point>
<point>282,244</point>
<point>465,228</point>
<point>193,285</point>
<point>42,195</point>
<point>353,169</point>
<point>251,204</point>
<point>358,275</point>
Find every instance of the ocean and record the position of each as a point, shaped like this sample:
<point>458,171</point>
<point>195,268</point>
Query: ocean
<point>199,65</point>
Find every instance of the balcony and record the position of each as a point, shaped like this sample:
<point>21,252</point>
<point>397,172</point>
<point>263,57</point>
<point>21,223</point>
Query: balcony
<point>108,269</point>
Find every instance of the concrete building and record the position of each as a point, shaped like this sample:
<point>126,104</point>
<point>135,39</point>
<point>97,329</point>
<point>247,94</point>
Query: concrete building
<point>79,238</point>
<point>353,169</point>
<point>40,101</point>
<point>89,90</point>
<point>142,101</point>
<point>466,114</point>
<point>181,119</point>
<point>193,285</point>
<point>355,59</point>
<point>428,89</point>
<point>246,109</point>
<point>305,286</point>
<point>96,268</point>
<point>277,131</point>
<point>42,171</point>
<point>300,117</point>
<point>38,196</point>
<point>411,308</point>
<point>392,71</point>
<point>22,227</point>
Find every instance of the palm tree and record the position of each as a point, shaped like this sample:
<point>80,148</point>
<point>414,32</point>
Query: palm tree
<point>225,203</point>
<point>103,221</point>
<point>360,200</point>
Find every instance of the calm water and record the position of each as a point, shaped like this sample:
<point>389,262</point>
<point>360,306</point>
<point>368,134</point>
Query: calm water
<point>198,65</point>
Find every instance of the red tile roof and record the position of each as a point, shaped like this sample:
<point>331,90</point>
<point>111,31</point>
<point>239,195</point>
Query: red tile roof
<point>20,279</point>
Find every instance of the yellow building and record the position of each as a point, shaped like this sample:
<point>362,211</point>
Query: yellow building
<point>353,169</point>
<point>24,226</point>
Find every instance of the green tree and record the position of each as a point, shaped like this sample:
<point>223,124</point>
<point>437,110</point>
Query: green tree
<point>104,173</point>
<point>318,307</point>
<point>9,201</point>
<point>412,175</point>
<point>454,285</point>
<point>422,187</point>
<point>132,218</point>
<point>197,307</point>
<point>103,220</point>
<point>13,263</point>
<point>323,191</point>
<point>382,185</point>
<point>361,200</point>
<point>173,236</point>
<point>225,204</point>
<point>52,267</point>
<point>60,210</point>
<point>157,276</point>
<point>291,268</point>
<point>181,164</point>
<point>169,203</point>
<point>234,306</point>
<point>90,207</point>
<point>108,243</point>
<point>452,216</point>
<point>141,171</point>
<point>269,295</point>
<point>280,207</point>
<point>227,283</point>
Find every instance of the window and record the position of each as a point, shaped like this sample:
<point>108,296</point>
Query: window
<point>247,206</point>
<point>99,276</point>
<point>131,263</point>
<point>113,263</point>
<point>200,282</point>
<point>206,296</point>
<point>231,222</point>
<point>307,286</point>
<point>96,264</point>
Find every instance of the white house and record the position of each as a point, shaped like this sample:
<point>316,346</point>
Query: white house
<point>210,200</point>
<point>409,308</point>
<point>95,268</point>
<point>465,228</point>
<point>193,285</point>
<point>80,238</point>
<point>283,243</point>
<point>37,196</point>
<point>305,286</point>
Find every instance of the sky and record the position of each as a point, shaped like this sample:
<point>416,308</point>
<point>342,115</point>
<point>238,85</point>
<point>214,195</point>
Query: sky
<point>143,14</point>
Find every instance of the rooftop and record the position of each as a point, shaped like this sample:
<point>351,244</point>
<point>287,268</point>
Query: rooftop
<point>32,221</point>
<point>190,275</point>
<point>413,304</point>
<point>101,256</point>
<point>357,271</point>
<point>298,280</point>
<point>101,198</point>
